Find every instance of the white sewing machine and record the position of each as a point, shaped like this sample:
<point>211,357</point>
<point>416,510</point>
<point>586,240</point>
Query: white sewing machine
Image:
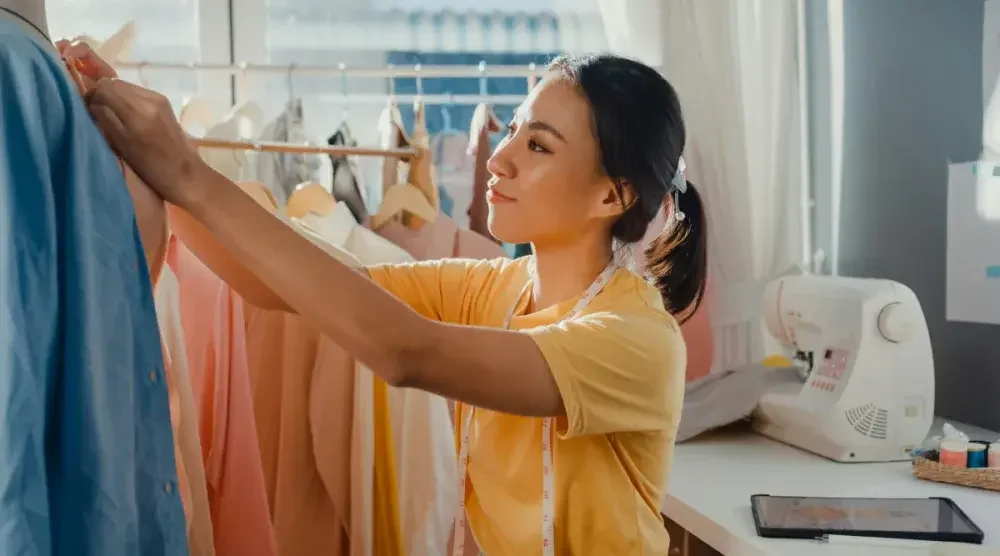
<point>865,353</point>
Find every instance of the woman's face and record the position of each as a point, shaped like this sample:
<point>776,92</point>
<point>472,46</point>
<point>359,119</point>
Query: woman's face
<point>547,185</point>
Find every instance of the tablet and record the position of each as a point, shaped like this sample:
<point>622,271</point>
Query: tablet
<point>800,517</point>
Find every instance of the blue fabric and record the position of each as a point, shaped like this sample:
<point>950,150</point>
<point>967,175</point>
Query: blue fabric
<point>522,250</point>
<point>447,203</point>
<point>86,449</point>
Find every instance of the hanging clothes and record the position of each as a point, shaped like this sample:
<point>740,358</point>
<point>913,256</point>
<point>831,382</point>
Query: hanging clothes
<point>392,136</point>
<point>453,174</point>
<point>371,487</point>
<point>282,352</point>
<point>421,445</point>
<point>441,238</point>
<point>212,318</point>
<point>184,417</point>
<point>85,409</point>
<point>697,330</point>
<point>283,172</point>
<point>484,122</point>
<point>309,490</point>
<point>346,184</point>
<point>234,164</point>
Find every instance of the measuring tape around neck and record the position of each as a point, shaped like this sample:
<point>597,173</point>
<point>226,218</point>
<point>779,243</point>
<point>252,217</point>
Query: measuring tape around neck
<point>548,467</point>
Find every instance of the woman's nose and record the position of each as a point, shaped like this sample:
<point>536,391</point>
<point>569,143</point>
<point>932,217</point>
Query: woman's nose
<point>499,163</point>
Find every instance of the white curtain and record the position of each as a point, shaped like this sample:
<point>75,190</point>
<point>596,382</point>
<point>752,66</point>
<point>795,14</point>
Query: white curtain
<point>735,66</point>
<point>634,28</point>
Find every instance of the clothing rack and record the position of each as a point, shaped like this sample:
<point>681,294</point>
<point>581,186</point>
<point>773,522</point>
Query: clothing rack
<point>341,70</point>
<point>273,147</point>
<point>437,99</point>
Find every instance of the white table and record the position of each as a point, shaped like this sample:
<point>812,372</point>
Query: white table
<point>713,477</point>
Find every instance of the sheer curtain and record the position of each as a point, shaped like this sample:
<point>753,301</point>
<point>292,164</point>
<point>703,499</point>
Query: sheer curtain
<point>735,66</point>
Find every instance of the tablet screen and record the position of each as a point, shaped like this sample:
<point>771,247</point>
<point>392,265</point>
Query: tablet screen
<point>916,515</point>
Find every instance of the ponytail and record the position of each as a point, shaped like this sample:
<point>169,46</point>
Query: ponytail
<point>678,259</point>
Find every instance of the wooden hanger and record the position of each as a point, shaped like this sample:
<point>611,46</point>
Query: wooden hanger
<point>393,137</point>
<point>309,197</point>
<point>404,199</point>
<point>421,172</point>
<point>260,193</point>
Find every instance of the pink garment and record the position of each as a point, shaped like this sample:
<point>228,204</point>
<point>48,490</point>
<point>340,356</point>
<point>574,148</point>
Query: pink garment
<point>212,316</point>
<point>697,331</point>
<point>441,239</point>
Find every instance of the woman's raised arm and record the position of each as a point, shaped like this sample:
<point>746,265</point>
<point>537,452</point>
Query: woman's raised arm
<point>496,369</point>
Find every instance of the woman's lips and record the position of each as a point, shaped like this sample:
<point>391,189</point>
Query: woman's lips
<point>495,197</point>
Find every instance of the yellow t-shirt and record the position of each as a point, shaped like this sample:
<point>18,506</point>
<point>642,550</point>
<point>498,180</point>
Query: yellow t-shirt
<point>620,369</point>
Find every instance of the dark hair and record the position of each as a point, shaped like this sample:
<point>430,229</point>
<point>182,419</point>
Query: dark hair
<point>640,132</point>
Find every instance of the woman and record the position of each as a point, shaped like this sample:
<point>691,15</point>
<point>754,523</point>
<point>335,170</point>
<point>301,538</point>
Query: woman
<point>568,370</point>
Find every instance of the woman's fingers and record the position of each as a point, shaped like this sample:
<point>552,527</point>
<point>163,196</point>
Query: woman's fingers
<point>89,63</point>
<point>114,130</point>
<point>133,106</point>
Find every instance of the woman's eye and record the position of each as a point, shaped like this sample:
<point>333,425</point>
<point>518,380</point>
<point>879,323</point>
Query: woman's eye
<point>510,129</point>
<point>535,146</point>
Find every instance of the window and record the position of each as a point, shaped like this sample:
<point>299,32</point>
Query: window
<point>166,31</point>
<point>402,33</point>
<point>357,33</point>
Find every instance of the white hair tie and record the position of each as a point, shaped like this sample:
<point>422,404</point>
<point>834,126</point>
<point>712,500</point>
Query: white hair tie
<point>679,181</point>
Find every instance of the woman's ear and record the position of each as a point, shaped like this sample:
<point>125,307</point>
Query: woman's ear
<point>619,196</point>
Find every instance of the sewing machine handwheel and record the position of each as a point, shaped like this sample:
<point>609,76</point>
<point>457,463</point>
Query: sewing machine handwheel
<point>896,323</point>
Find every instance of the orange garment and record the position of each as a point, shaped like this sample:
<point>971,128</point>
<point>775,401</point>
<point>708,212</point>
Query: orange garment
<point>306,465</point>
<point>212,316</point>
<point>183,416</point>
<point>305,388</point>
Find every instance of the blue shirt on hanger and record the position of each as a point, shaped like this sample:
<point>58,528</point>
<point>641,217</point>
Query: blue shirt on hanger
<point>86,449</point>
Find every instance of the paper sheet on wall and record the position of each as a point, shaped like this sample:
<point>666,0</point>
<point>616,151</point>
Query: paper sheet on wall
<point>991,49</point>
<point>973,258</point>
<point>991,81</point>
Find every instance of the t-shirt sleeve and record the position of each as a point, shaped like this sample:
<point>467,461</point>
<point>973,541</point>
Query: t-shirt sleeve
<point>447,290</point>
<point>616,372</point>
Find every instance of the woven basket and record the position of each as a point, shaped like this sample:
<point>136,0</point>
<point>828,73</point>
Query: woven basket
<point>986,478</point>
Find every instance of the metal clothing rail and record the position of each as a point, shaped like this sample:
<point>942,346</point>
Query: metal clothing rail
<point>352,98</point>
<point>390,71</point>
<point>267,146</point>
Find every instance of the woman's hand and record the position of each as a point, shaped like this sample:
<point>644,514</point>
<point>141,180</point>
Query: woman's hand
<point>141,127</point>
<point>91,66</point>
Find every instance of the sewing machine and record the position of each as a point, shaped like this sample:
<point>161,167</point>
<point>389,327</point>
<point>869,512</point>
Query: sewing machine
<point>864,353</point>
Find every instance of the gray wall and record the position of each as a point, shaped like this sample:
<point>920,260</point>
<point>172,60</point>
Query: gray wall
<point>913,102</point>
